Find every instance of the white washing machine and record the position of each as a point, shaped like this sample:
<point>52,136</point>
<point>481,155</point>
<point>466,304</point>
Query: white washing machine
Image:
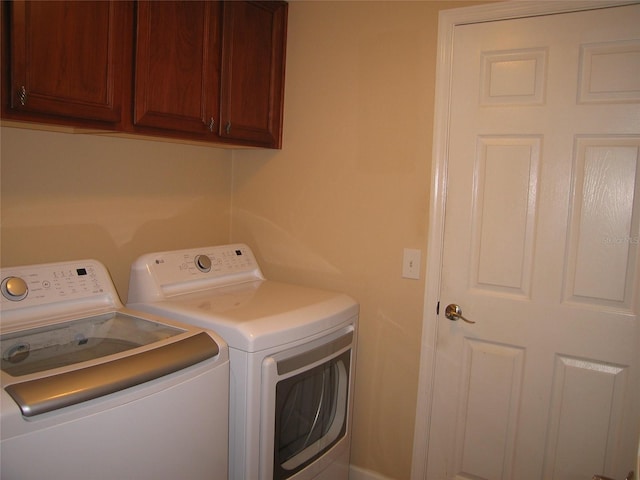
<point>292,352</point>
<point>92,390</point>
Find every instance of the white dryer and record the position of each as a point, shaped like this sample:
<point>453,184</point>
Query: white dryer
<point>92,390</point>
<point>292,354</point>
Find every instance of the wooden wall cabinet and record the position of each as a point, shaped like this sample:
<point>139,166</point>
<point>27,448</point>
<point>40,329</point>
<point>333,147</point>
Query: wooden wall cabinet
<point>253,64</point>
<point>65,61</point>
<point>177,67</point>
<point>196,70</point>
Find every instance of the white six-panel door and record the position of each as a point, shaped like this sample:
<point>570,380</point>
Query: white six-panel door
<point>541,250</point>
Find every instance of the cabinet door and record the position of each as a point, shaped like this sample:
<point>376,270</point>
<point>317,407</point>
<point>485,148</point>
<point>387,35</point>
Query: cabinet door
<point>177,66</point>
<point>67,59</point>
<point>253,60</point>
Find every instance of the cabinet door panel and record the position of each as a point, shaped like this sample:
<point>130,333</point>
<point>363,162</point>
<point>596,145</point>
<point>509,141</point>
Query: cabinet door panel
<point>253,58</point>
<point>66,58</point>
<point>177,65</point>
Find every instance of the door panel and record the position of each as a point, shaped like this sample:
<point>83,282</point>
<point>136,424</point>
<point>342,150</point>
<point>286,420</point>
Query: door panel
<point>505,186</point>
<point>540,249</point>
<point>576,445</point>
<point>493,376</point>
<point>604,213</point>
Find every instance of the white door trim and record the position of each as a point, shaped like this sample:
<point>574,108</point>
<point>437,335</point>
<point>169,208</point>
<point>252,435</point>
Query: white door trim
<point>447,21</point>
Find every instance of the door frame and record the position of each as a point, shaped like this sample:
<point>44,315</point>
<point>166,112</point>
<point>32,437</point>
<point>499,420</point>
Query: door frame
<point>448,20</point>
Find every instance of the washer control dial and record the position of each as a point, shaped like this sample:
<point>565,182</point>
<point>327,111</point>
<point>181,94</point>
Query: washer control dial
<point>203,262</point>
<point>14,288</point>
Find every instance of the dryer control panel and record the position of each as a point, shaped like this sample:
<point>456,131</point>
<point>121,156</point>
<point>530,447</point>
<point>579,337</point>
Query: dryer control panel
<point>184,271</point>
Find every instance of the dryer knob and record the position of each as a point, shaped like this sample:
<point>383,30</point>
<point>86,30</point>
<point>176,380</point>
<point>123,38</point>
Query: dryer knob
<point>203,262</point>
<point>14,288</point>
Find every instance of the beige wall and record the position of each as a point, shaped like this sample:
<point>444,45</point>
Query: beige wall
<point>334,208</point>
<point>350,190</point>
<point>72,196</point>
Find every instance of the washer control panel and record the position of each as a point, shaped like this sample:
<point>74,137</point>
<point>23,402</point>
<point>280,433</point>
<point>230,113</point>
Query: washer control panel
<point>50,283</point>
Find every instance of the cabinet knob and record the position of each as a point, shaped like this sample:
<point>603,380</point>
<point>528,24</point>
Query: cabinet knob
<point>228,127</point>
<point>22,95</point>
<point>211,124</point>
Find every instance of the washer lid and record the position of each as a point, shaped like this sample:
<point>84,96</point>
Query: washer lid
<point>261,314</point>
<point>63,344</point>
<point>59,365</point>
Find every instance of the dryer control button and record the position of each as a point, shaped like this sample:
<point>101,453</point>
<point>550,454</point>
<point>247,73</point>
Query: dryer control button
<point>203,262</point>
<point>14,288</point>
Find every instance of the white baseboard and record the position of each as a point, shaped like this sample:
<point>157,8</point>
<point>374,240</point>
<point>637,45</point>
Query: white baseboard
<point>357,473</point>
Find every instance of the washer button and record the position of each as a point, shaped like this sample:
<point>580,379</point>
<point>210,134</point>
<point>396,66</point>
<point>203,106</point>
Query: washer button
<point>14,288</point>
<point>203,262</point>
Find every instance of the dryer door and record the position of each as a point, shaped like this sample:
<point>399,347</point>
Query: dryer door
<point>311,403</point>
